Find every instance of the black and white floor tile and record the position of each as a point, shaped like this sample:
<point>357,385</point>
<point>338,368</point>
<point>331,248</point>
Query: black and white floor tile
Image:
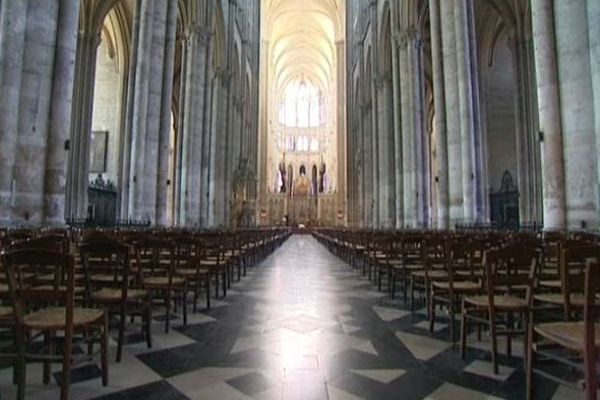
<point>302,325</point>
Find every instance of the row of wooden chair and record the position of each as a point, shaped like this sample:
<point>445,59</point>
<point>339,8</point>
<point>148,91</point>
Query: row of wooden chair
<point>62,288</point>
<point>538,286</point>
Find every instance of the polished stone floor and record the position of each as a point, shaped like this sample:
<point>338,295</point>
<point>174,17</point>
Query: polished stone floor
<point>302,325</point>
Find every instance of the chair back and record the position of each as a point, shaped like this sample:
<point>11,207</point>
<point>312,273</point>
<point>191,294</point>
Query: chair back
<point>106,264</point>
<point>412,245</point>
<point>573,266</point>
<point>38,263</point>
<point>433,250</point>
<point>591,310</point>
<point>460,253</point>
<point>187,249</point>
<point>155,257</point>
<point>50,242</point>
<point>511,270</point>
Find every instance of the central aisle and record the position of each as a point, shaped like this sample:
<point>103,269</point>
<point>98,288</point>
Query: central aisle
<point>302,325</point>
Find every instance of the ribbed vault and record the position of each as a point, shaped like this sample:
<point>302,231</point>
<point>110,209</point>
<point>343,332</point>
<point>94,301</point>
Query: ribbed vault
<point>301,37</point>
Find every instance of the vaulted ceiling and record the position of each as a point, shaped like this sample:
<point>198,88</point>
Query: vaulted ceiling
<point>302,35</point>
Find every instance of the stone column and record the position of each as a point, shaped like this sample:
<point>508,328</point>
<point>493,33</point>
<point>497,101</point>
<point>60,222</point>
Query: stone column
<point>397,94</point>
<point>207,194</point>
<point>415,115</point>
<point>465,96</point>
<point>452,113</point>
<point>375,182</point>
<point>524,129</point>
<point>12,25</point>
<point>423,175</point>
<point>480,150</point>
<point>384,148</point>
<point>126,182</point>
<point>34,109</point>
<point>212,149</point>
<point>549,115</point>
<point>140,111</point>
<point>577,114</point>
<point>368,164</point>
<point>207,134</point>
<point>441,172</point>
<point>181,138</point>
<point>154,111</point>
<point>199,39</point>
<point>593,14</point>
<point>60,112</point>
<point>81,121</point>
<point>166,115</point>
<point>407,107</point>
<point>342,131</point>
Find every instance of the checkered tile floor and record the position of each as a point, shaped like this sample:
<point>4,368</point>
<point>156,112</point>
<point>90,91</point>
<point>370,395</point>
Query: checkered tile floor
<point>302,325</point>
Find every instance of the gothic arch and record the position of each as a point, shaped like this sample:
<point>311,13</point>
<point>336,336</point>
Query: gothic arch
<point>219,39</point>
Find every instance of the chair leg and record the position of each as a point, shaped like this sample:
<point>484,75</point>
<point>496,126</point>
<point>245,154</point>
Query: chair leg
<point>431,314</point>
<point>405,284</point>
<point>217,284</point>
<point>529,357</point>
<point>66,369</point>
<point>122,321</point>
<point>464,327</point>
<point>168,315</point>
<point>47,365</point>
<point>207,283</point>
<point>412,294</point>
<point>451,322</point>
<point>104,350</point>
<point>589,362</point>
<point>426,289</point>
<point>21,364</point>
<point>510,323</point>
<point>148,326</point>
<point>184,305</point>
<point>494,340</point>
<point>196,291</point>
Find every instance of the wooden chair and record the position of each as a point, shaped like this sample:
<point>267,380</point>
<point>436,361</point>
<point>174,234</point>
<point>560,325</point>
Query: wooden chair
<point>572,266</point>
<point>412,256</point>
<point>553,243</point>
<point>510,275</point>
<point>433,262</point>
<point>213,259</point>
<point>111,284</point>
<point>188,255</point>
<point>156,263</point>
<point>49,311</point>
<point>450,290</point>
<point>559,341</point>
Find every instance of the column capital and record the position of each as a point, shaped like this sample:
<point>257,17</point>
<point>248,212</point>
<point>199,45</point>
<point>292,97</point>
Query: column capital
<point>381,79</point>
<point>516,40</point>
<point>224,75</point>
<point>201,33</point>
<point>238,102</point>
<point>94,38</point>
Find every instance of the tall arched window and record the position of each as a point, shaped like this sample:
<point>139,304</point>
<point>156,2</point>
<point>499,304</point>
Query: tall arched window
<point>302,106</point>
